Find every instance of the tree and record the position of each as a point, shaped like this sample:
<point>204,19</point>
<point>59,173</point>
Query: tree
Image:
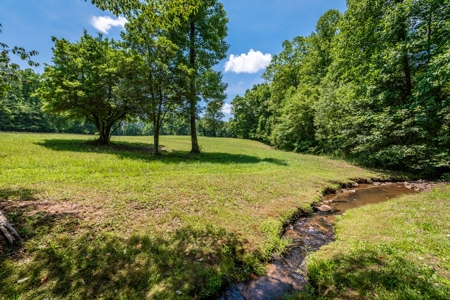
<point>90,79</point>
<point>283,71</point>
<point>200,33</point>
<point>8,69</point>
<point>295,79</point>
<point>295,129</point>
<point>252,117</point>
<point>198,28</point>
<point>320,47</point>
<point>175,123</point>
<point>160,78</point>
<point>310,58</point>
<point>384,80</point>
<point>212,122</point>
<point>21,110</point>
<point>116,6</point>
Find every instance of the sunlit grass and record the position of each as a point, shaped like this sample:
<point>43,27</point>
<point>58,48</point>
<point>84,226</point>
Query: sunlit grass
<point>117,222</point>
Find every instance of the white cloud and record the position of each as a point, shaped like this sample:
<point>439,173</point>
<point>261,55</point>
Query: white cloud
<point>104,23</point>
<point>226,108</point>
<point>251,63</point>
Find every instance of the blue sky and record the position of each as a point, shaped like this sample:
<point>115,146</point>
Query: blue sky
<point>261,25</point>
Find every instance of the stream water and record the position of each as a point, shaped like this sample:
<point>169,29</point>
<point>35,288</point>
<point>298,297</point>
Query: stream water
<point>287,273</point>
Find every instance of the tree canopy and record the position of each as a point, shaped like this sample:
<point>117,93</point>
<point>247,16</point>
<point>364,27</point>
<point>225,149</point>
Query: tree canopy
<point>8,68</point>
<point>88,79</point>
<point>371,84</point>
<point>161,77</point>
<point>200,35</point>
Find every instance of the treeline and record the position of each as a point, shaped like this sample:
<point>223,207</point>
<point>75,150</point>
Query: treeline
<point>372,84</point>
<point>162,67</point>
<point>21,110</point>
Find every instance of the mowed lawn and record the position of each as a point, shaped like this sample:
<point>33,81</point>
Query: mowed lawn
<point>116,222</point>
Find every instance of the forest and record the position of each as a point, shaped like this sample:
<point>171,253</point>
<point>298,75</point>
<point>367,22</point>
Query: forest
<point>371,85</point>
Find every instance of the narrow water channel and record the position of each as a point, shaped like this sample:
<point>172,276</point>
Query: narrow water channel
<point>287,273</point>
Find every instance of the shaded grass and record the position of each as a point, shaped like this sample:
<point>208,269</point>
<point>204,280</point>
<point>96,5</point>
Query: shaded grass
<point>107,266</point>
<point>395,250</point>
<point>118,222</point>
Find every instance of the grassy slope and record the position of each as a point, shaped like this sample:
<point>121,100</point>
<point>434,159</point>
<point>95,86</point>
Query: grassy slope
<point>399,249</point>
<point>116,222</point>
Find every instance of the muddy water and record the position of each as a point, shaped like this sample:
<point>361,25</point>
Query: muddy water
<point>287,273</point>
<point>365,194</point>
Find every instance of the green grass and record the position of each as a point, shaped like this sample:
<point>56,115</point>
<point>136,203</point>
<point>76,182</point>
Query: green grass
<point>118,223</point>
<point>399,249</point>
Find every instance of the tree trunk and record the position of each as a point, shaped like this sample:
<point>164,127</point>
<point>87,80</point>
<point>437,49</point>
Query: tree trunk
<point>104,138</point>
<point>429,23</point>
<point>194,141</point>
<point>156,137</point>
<point>8,231</point>
<point>104,133</point>
<point>193,93</point>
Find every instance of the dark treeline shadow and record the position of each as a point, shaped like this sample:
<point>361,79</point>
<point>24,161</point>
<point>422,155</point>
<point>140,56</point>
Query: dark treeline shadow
<point>143,151</point>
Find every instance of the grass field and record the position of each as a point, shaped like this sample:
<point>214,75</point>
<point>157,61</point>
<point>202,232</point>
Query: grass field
<point>117,222</point>
<point>399,249</point>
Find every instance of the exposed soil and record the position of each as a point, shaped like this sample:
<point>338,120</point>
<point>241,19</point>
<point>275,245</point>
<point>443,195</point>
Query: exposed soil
<point>47,210</point>
<point>287,273</point>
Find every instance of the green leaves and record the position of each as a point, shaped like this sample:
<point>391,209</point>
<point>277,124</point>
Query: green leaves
<point>8,69</point>
<point>384,51</point>
<point>380,76</point>
<point>90,79</point>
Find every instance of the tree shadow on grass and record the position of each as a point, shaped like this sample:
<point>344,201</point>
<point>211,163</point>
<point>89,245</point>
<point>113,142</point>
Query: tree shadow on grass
<point>92,265</point>
<point>143,151</point>
<point>8,197</point>
<point>24,211</point>
<point>62,256</point>
<point>365,273</point>
<point>18,194</point>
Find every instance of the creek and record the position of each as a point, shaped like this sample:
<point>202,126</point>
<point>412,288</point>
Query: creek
<point>287,273</point>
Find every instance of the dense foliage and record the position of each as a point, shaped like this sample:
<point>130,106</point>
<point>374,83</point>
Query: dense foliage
<point>371,84</point>
<point>91,79</point>
<point>8,68</point>
<point>21,110</point>
<point>163,67</point>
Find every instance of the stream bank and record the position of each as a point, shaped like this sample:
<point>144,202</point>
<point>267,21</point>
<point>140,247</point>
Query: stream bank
<point>287,272</point>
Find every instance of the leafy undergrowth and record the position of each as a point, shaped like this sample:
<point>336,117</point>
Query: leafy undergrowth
<point>116,222</point>
<point>395,250</point>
